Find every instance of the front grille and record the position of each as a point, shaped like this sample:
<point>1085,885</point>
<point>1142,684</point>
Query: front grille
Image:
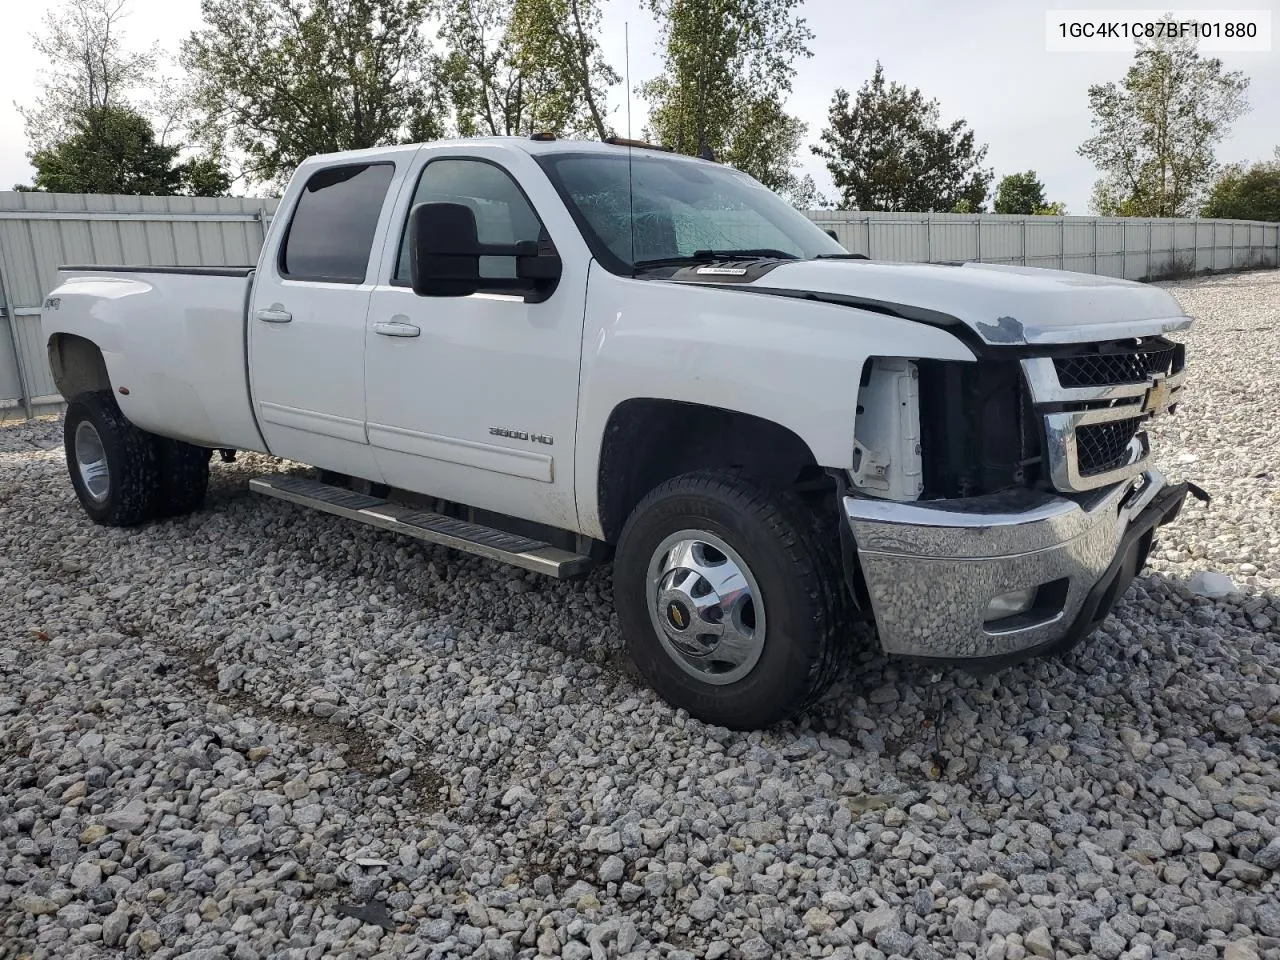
<point>1104,446</point>
<point>1110,369</point>
<point>1094,402</point>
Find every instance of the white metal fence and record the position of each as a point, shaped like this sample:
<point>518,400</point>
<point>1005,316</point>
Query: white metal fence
<point>1133,248</point>
<point>41,231</point>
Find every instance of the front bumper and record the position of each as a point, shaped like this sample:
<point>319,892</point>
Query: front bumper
<point>932,568</point>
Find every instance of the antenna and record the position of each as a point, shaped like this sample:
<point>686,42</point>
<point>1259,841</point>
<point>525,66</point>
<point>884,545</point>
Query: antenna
<point>631,181</point>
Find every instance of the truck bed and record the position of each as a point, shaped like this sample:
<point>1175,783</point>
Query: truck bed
<point>197,271</point>
<point>174,338</point>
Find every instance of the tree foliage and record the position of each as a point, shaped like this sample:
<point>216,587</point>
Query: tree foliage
<point>887,149</point>
<point>113,149</point>
<point>1156,130</point>
<point>1023,193</point>
<point>1246,193</point>
<point>87,66</point>
<point>280,80</point>
<point>515,68</point>
<point>92,128</point>
<point>728,66</point>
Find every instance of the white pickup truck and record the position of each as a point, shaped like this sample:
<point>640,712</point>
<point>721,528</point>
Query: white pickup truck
<point>561,353</point>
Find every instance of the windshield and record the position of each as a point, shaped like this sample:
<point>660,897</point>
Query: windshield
<point>681,209</point>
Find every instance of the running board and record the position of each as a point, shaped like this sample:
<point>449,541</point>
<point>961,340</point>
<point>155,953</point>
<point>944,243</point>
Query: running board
<point>422,525</point>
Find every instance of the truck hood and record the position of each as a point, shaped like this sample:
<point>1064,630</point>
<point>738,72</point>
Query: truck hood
<point>1003,305</point>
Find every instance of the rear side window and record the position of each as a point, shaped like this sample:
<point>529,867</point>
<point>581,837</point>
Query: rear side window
<point>331,233</point>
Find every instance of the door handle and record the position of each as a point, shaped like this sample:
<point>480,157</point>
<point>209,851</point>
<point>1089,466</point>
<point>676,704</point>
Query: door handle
<point>397,328</point>
<point>274,314</point>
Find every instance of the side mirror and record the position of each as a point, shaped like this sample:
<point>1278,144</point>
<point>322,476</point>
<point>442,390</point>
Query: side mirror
<point>832,235</point>
<point>444,250</point>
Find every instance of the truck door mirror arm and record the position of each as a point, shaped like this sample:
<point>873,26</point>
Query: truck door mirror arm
<point>445,252</point>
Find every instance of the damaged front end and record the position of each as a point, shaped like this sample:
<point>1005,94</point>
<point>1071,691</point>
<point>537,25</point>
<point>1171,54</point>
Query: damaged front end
<point>1018,501</point>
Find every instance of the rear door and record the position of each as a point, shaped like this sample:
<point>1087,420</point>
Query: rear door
<point>307,315</point>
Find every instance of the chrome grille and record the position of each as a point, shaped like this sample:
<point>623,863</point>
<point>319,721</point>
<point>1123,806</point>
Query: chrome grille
<point>1102,447</point>
<point>1106,369</point>
<point>1094,406</point>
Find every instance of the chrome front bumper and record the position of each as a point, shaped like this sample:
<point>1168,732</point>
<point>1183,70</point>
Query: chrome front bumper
<point>932,568</point>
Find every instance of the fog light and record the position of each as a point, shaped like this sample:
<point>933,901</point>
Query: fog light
<point>1010,604</point>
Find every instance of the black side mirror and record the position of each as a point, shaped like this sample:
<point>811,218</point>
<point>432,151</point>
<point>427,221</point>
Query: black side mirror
<point>537,261</point>
<point>444,250</point>
<point>832,235</point>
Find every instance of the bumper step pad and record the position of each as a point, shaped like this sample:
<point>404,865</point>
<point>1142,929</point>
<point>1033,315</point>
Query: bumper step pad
<point>422,525</point>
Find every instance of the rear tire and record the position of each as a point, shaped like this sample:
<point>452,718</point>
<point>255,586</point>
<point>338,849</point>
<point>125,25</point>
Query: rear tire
<point>730,599</point>
<point>112,463</point>
<point>183,475</point>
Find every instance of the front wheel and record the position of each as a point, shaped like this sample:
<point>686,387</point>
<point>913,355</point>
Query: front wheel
<point>728,598</point>
<point>112,463</point>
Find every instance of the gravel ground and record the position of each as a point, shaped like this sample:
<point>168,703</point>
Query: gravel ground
<point>258,732</point>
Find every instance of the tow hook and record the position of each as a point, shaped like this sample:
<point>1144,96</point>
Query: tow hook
<point>227,455</point>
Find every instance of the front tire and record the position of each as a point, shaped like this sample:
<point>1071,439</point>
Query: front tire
<point>112,463</point>
<point>730,601</point>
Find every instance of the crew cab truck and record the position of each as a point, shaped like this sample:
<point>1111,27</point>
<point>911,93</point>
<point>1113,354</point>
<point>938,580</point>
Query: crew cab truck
<point>561,353</point>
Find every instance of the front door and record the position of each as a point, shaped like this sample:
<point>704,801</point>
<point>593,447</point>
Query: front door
<point>474,398</point>
<point>307,319</point>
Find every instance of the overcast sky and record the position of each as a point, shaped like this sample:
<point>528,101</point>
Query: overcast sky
<point>983,60</point>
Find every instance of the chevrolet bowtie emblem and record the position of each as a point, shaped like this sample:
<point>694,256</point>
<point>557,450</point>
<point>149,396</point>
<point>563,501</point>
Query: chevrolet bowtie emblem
<point>1158,396</point>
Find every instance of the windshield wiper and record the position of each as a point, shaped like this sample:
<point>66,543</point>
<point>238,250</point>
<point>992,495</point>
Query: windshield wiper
<point>710,256</point>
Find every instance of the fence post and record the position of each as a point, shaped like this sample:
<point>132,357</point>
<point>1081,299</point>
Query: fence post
<point>1213,257</point>
<point>11,319</point>
<point>928,240</point>
<point>1095,246</point>
<point>1151,240</point>
<point>1062,244</point>
<point>869,257</point>
<point>1124,249</point>
<point>1024,241</point>
<point>978,223</point>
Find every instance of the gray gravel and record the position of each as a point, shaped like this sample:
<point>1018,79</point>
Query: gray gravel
<point>257,732</point>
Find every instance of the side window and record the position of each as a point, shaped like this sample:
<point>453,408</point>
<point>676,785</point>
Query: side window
<point>331,233</point>
<point>503,215</point>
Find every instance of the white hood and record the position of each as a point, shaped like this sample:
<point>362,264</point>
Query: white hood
<point>1003,305</point>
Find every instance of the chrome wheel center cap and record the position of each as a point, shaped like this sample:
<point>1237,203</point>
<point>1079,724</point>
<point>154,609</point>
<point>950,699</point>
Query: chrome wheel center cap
<point>706,606</point>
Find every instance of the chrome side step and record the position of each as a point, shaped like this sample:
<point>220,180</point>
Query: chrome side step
<point>432,527</point>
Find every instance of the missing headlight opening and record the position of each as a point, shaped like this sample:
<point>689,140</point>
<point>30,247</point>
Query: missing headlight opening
<point>936,429</point>
<point>978,433</point>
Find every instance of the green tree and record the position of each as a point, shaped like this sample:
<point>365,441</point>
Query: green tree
<point>887,149</point>
<point>1023,193</point>
<point>1156,130</point>
<point>114,150</point>
<point>528,66</point>
<point>86,66</point>
<point>203,176</point>
<point>728,66</point>
<point>1246,193</point>
<point>1019,193</point>
<point>280,80</point>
